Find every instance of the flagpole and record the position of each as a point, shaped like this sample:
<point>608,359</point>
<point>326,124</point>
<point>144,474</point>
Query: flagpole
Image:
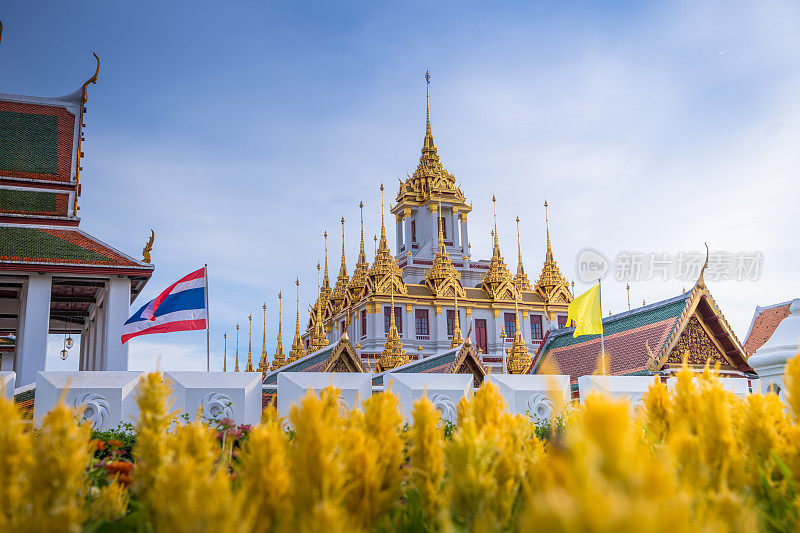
<point>208,325</point>
<point>602,344</point>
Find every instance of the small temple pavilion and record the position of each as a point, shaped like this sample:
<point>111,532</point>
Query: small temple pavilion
<point>55,278</point>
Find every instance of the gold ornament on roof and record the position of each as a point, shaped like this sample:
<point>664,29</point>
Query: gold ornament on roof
<point>521,279</point>
<point>280,358</point>
<point>93,80</point>
<point>358,283</point>
<point>236,367</point>
<point>498,283</point>
<point>393,354</point>
<point>442,278</point>
<point>148,247</point>
<point>550,279</point>
<point>457,339</point>
<point>225,352</point>
<point>430,180</point>
<point>249,366</point>
<point>263,364</point>
<point>385,276</point>
<point>318,339</point>
<point>338,296</point>
<point>519,358</point>
<point>297,350</point>
<point>325,290</point>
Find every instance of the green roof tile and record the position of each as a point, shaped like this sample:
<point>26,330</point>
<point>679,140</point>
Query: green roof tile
<point>27,201</point>
<point>34,243</point>
<point>28,143</point>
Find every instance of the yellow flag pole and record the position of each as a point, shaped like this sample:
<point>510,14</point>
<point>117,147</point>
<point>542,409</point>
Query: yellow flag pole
<point>602,343</point>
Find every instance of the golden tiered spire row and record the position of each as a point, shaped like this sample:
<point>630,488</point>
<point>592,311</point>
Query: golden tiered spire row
<point>519,359</point>
<point>225,352</point>
<point>249,366</point>
<point>385,275</point>
<point>280,358</point>
<point>550,279</point>
<point>393,354</point>
<point>521,279</point>
<point>297,350</point>
<point>498,283</point>
<point>457,339</point>
<point>236,367</point>
<point>358,283</point>
<point>263,365</point>
<point>443,278</point>
<point>340,289</point>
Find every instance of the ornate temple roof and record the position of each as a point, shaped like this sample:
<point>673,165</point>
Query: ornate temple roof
<point>297,351</point>
<point>339,357</point>
<point>649,339</point>
<point>358,283</point>
<point>550,281</point>
<point>385,276</point>
<point>339,293</point>
<point>279,359</point>
<point>393,354</point>
<point>519,358</point>
<point>457,360</point>
<point>498,283</point>
<point>521,279</point>
<point>765,321</point>
<point>430,181</point>
<point>442,278</point>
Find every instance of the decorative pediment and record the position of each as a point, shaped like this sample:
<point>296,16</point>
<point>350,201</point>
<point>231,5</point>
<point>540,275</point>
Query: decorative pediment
<point>468,362</point>
<point>699,348</point>
<point>387,284</point>
<point>343,358</point>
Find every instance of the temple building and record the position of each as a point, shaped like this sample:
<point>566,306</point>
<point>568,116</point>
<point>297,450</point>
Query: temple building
<point>426,294</point>
<point>55,278</point>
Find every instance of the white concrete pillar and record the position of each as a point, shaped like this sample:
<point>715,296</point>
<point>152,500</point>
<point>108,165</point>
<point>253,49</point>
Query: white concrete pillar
<point>82,352</point>
<point>407,232</point>
<point>34,324</point>
<point>398,235</point>
<point>117,307</point>
<point>97,358</point>
<point>464,235</point>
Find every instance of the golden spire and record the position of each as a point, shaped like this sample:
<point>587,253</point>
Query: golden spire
<point>521,279</point>
<point>628,289</point>
<point>385,275</point>
<point>236,368</point>
<point>325,291</point>
<point>457,339</point>
<point>359,280</point>
<point>249,366</point>
<point>225,353</point>
<point>497,282</point>
<point>297,350</point>
<point>263,365</point>
<point>340,289</point>
<point>550,277</point>
<point>442,273</point>
<point>428,134</point>
<point>280,358</point>
<point>393,354</point>
<point>318,338</point>
<point>518,356</point>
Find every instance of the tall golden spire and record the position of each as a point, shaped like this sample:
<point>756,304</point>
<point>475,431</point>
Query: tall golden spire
<point>393,354</point>
<point>442,274</point>
<point>497,282</point>
<point>521,279</point>
<point>358,282</point>
<point>428,134</point>
<point>263,365</point>
<point>550,277</point>
<point>297,350</point>
<point>236,368</point>
<point>225,353</point>
<point>457,339</point>
<point>280,358</point>
<point>519,359</point>
<point>325,291</point>
<point>340,289</point>
<point>249,366</point>
<point>318,338</point>
<point>385,275</point>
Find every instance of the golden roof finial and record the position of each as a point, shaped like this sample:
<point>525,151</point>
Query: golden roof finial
<point>393,354</point>
<point>497,282</point>
<point>236,368</point>
<point>340,289</point>
<point>263,364</point>
<point>701,282</point>
<point>318,338</point>
<point>384,269</point>
<point>519,358</point>
<point>628,289</point>
<point>427,104</point>
<point>457,339</point>
<point>93,80</point>
<point>358,282</point>
<point>225,352</point>
<point>148,247</point>
<point>383,226</point>
<point>326,284</point>
<point>280,358</point>
<point>521,279</point>
<point>551,277</point>
<point>297,350</point>
<point>249,366</point>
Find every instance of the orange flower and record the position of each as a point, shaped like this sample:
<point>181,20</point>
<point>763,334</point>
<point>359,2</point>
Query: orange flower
<point>114,443</point>
<point>98,445</point>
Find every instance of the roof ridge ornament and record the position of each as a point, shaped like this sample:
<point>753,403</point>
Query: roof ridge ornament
<point>551,279</point>
<point>701,282</point>
<point>148,247</point>
<point>297,350</point>
<point>358,282</point>
<point>497,282</point>
<point>93,80</point>
<point>521,279</point>
<point>279,359</point>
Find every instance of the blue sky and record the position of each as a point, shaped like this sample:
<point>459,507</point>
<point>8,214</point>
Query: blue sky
<point>241,131</point>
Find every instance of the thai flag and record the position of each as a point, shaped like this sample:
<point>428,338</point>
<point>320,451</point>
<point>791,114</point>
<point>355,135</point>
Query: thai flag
<point>182,307</point>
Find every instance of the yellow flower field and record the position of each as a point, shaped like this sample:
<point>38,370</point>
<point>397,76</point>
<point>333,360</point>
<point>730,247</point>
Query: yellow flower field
<point>695,459</point>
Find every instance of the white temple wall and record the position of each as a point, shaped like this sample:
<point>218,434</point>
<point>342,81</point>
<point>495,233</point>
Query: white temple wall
<point>354,388</point>
<point>444,390</point>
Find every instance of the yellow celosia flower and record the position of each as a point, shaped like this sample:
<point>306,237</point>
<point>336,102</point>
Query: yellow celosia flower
<point>657,410</point>
<point>426,458</point>
<point>791,382</point>
<point>16,459</point>
<point>155,418</point>
<point>109,503</point>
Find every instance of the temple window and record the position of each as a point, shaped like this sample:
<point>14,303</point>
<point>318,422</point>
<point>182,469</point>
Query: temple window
<point>363,323</point>
<point>413,231</point>
<point>536,327</point>
<point>421,322</point>
<point>509,323</point>
<point>444,227</point>
<point>398,319</point>
<point>562,321</point>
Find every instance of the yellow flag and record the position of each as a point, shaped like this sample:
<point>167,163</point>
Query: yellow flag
<point>585,312</point>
